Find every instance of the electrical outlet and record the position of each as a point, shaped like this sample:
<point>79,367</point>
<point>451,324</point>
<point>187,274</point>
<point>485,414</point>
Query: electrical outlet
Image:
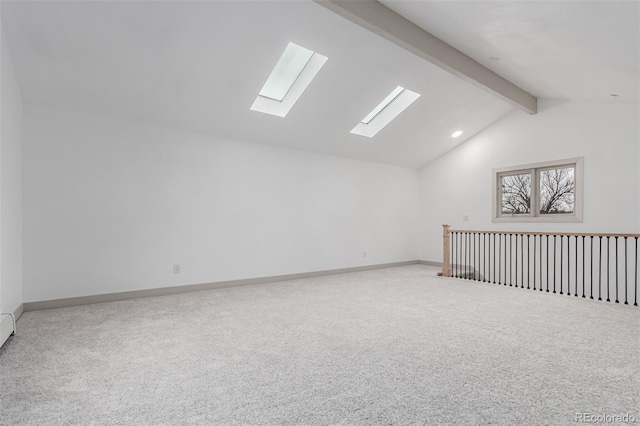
<point>176,268</point>
<point>465,218</point>
<point>364,254</point>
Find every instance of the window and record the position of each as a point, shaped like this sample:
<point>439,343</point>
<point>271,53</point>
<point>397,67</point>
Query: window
<point>543,192</point>
<point>515,193</point>
<point>382,105</point>
<point>290,77</point>
<point>387,110</point>
<point>294,59</point>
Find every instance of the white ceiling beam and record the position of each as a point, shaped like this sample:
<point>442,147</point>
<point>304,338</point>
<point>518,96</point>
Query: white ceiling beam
<point>383,21</point>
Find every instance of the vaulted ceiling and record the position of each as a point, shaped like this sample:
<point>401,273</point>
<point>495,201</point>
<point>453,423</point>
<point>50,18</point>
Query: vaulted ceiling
<point>198,66</point>
<point>584,50</point>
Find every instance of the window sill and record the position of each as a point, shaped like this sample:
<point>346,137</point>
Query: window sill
<point>538,219</point>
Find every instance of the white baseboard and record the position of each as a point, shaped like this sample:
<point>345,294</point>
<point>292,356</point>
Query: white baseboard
<point>17,312</point>
<point>112,297</point>
<point>430,263</point>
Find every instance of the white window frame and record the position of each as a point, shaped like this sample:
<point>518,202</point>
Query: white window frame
<point>534,169</point>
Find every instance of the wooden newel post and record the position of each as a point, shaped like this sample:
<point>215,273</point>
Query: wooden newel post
<point>446,250</point>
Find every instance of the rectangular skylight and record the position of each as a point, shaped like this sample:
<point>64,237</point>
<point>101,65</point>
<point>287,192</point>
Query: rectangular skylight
<point>286,71</point>
<point>293,73</point>
<point>382,105</point>
<point>385,112</point>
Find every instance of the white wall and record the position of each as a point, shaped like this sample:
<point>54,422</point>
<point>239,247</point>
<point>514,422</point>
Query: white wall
<point>111,205</point>
<point>10,186</point>
<point>605,134</point>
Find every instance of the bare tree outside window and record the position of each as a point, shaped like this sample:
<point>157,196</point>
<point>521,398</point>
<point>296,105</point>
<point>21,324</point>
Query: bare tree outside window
<point>516,194</point>
<point>557,191</point>
<point>542,192</point>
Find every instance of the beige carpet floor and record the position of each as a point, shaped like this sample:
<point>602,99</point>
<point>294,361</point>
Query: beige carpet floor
<point>391,346</point>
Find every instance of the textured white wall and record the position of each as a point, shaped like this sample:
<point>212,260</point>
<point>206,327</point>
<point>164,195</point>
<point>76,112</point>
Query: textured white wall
<point>111,205</point>
<point>10,186</point>
<point>605,134</point>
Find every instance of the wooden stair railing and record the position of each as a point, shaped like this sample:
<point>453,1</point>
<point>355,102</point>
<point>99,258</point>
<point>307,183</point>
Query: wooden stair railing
<point>597,265</point>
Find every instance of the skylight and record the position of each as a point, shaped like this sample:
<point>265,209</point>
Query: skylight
<point>382,105</point>
<point>387,110</point>
<point>294,71</point>
<point>286,71</point>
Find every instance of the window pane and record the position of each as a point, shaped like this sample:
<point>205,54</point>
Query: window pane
<point>557,191</point>
<point>286,71</point>
<point>516,194</point>
<point>382,105</point>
